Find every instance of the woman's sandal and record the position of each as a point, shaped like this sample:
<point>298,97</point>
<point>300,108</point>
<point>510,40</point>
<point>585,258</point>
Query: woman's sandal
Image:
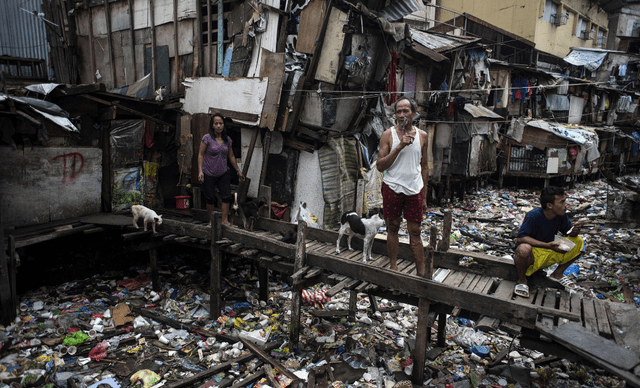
<point>521,290</point>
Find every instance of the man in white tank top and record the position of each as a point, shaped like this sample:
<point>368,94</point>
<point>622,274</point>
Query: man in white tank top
<point>402,157</point>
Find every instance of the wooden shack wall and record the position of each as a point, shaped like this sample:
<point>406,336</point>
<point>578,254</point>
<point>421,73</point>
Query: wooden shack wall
<point>110,46</point>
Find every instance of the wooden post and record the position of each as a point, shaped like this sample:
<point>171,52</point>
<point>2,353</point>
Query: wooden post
<point>265,191</point>
<point>360,197</point>
<point>154,75</point>
<point>442,329</point>
<point>263,278</point>
<point>153,258</point>
<point>353,300</point>
<point>244,186</point>
<point>133,40</point>
<point>176,81</point>
<point>210,39</point>
<point>112,65</point>
<point>423,333</point>
<point>220,36</point>
<point>433,237</point>
<point>13,269</point>
<point>215,304</point>
<point>8,311</point>
<point>294,329</point>
<point>265,159</point>
<point>92,49</point>
<point>446,232</point>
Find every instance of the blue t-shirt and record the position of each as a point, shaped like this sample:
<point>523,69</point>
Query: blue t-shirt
<point>537,226</point>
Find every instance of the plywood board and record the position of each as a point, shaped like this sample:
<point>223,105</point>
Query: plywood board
<point>267,40</point>
<point>311,20</point>
<point>199,128</point>
<point>242,95</point>
<point>272,67</point>
<point>163,12</point>
<point>120,20</point>
<point>41,184</point>
<point>329,61</point>
<point>98,21</point>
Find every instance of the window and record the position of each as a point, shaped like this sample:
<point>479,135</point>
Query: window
<point>601,41</point>
<point>581,28</point>
<point>550,11</point>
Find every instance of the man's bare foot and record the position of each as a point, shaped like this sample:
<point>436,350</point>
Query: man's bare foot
<point>394,267</point>
<point>226,223</point>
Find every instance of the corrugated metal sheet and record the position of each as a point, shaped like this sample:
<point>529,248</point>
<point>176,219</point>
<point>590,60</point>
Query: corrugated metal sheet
<point>437,42</point>
<point>481,111</point>
<point>401,8</point>
<point>22,33</point>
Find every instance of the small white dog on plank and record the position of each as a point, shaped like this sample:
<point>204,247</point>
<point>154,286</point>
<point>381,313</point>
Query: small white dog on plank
<point>364,227</point>
<point>147,215</point>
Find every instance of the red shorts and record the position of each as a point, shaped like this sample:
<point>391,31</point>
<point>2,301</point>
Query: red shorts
<point>393,205</point>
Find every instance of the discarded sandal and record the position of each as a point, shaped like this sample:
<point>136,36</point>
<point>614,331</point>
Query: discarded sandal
<point>521,290</point>
<point>565,282</point>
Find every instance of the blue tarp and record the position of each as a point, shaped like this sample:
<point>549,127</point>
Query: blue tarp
<point>591,60</point>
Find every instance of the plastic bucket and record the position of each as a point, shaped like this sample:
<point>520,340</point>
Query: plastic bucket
<point>182,201</point>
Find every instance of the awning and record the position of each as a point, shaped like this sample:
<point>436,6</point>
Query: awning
<point>591,60</point>
<point>481,112</point>
<point>437,42</point>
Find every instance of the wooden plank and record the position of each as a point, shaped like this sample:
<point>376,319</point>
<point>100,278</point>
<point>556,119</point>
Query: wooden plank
<point>329,61</point>
<point>481,284</point>
<point>310,26</point>
<point>469,277</point>
<point>603,321</point>
<point>550,302</point>
<point>590,320</point>
<point>576,337</point>
<point>261,354</point>
<point>505,289</point>
<point>271,66</point>
<point>52,236</point>
<point>565,304</point>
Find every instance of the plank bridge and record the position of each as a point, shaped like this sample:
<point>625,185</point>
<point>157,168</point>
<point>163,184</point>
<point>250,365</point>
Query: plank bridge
<point>474,285</point>
<point>552,320</point>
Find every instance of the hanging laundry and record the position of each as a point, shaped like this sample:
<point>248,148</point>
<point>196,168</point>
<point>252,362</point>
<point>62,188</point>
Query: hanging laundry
<point>392,84</point>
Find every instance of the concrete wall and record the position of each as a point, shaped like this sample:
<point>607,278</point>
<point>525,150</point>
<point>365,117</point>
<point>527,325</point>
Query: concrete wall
<point>621,24</point>
<point>43,184</point>
<point>525,18</point>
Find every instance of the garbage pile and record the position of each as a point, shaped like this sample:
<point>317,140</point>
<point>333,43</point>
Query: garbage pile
<point>114,330</point>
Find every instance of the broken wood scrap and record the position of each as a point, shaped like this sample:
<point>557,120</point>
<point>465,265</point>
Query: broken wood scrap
<point>271,376</point>
<point>261,354</point>
<point>191,381</point>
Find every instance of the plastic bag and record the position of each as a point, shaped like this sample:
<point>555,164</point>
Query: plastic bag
<point>99,352</point>
<point>147,377</point>
<point>468,338</point>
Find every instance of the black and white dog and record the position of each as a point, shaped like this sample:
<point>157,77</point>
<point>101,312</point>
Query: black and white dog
<point>365,227</point>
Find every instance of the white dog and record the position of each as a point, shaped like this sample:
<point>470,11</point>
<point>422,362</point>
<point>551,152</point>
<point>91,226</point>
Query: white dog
<point>364,227</point>
<point>147,215</point>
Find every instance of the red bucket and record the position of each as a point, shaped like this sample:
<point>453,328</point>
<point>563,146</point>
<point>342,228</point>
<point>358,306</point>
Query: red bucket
<point>182,201</point>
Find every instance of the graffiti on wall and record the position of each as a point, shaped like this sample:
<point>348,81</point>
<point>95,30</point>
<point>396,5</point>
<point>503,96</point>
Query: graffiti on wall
<point>72,165</point>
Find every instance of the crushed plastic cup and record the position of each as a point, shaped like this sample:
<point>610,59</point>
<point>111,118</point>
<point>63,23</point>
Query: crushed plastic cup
<point>71,350</point>
<point>564,244</point>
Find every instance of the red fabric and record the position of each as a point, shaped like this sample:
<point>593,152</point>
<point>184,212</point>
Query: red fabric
<point>451,109</point>
<point>99,352</point>
<point>313,297</point>
<point>392,84</point>
<point>278,209</point>
<point>134,284</point>
<point>148,139</point>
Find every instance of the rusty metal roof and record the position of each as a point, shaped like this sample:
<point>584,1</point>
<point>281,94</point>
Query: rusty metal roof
<point>440,43</point>
<point>481,111</point>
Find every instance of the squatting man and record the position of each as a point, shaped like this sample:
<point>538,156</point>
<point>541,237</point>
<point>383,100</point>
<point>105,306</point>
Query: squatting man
<point>536,246</point>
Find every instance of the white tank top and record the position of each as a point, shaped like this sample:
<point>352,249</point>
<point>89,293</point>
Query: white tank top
<point>405,174</point>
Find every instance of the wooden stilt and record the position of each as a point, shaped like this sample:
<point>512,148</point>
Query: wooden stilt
<point>263,278</point>
<point>423,334</point>
<point>8,311</point>
<point>353,300</point>
<point>294,330</point>
<point>13,269</point>
<point>442,325</point>
<point>433,237</point>
<point>216,266</point>
<point>446,232</point>
<point>373,303</point>
<point>153,259</point>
